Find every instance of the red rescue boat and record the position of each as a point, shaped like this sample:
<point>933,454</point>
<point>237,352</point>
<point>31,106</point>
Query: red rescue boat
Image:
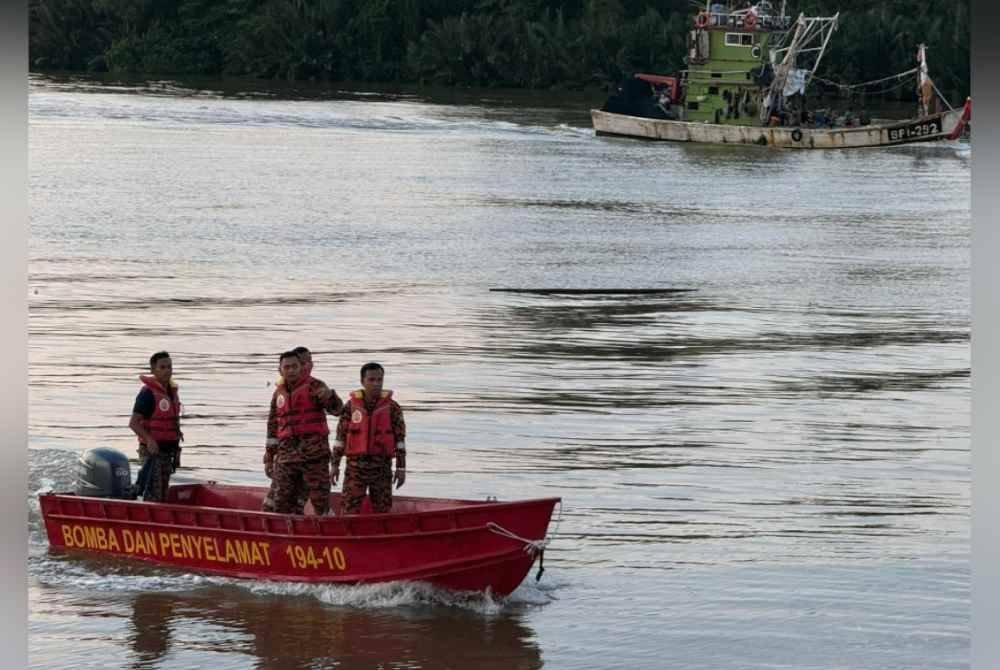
<point>463,545</point>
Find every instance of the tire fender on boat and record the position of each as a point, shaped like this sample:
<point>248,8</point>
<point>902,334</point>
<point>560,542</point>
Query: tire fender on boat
<point>797,135</point>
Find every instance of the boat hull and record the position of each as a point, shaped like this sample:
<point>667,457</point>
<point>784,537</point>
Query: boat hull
<point>217,529</point>
<point>942,126</point>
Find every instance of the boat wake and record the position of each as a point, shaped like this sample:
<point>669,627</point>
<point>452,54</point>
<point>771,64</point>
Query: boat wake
<point>404,594</point>
<point>110,575</point>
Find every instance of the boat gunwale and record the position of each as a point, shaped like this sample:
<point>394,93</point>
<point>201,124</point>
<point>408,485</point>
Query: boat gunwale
<point>316,521</point>
<point>319,536</point>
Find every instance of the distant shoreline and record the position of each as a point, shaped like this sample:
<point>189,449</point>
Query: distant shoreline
<point>538,45</point>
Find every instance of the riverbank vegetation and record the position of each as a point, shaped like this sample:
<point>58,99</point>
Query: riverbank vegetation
<point>544,44</point>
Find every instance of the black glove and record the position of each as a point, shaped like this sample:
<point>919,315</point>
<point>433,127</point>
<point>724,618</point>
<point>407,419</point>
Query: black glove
<point>176,462</point>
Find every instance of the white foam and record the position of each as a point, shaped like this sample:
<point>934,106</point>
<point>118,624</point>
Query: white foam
<point>123,575</point>
<point>45,484</point>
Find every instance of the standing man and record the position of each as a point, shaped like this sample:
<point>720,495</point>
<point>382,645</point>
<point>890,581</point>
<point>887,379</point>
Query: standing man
<point>297,454</point>
<point>333,402</point>
<point>371,431</point>
<point>156,418</point>
<point>333,405</point>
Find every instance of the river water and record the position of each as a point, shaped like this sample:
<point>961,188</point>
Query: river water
<point>769,470</point>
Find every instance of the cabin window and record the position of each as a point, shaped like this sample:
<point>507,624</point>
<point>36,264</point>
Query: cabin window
<point>717,75</point>
<point>713,90</point>
<point>739,40</point>
<point>693,106</point>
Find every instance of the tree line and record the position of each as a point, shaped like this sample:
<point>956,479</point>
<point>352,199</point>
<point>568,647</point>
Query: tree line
<point>538,44</point>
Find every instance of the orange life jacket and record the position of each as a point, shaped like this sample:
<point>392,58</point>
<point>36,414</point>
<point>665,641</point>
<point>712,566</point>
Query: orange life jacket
<point>370,434</point>
<point>298,412</point>
<point>164,424</point>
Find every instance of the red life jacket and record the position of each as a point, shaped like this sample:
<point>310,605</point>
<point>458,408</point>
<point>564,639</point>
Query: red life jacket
<point>297,412</point>
<point>164,424</point>
<point>370,434</point>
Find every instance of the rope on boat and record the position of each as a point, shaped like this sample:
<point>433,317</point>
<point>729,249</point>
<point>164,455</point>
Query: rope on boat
<point>887,90</point>
<point>531,547</point>
<point>883,91</point>
<point>868,83</point>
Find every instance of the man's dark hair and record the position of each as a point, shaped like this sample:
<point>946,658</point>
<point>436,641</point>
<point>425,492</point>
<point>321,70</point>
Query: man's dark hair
<point>157,356</point>
<point>371,366</point>
<point>288,354</point>
<point>298,351</point>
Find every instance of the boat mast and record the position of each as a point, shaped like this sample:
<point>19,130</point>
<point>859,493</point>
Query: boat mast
<point>807,30</point>
<point>822,49</point>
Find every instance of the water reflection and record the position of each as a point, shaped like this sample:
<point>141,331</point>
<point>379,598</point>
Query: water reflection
<point>590,328</point>
<point>166,303</point>
<point>874,382</point>
<point>729,157</point>
<point>926,155</point>
<point>651,330</point>
<point>632,207</point>
<point>292,633</point>
<point>152,622</point>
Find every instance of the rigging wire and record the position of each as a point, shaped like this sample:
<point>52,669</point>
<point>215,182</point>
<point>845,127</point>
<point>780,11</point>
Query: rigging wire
<point>867,83</point>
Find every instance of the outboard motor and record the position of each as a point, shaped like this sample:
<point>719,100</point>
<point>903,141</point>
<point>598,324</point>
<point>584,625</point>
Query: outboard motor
<point>104,473</point>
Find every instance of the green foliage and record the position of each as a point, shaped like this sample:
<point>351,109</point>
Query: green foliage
<point>514,43</point>
<point>68,34</point>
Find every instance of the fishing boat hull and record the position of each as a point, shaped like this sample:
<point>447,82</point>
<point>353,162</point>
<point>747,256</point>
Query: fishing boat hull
<point>943,126</point>
<point>456,544</point>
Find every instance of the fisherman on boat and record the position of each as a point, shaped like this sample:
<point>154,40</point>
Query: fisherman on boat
<point>371,431</point>
<point>297,453</point>
<point>156,417</point>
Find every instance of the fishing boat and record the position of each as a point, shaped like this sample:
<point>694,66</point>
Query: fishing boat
<point>748,68</point>
<point>463,545</point>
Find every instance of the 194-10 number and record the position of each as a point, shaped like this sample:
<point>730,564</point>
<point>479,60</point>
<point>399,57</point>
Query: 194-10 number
<point>306,557</point>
